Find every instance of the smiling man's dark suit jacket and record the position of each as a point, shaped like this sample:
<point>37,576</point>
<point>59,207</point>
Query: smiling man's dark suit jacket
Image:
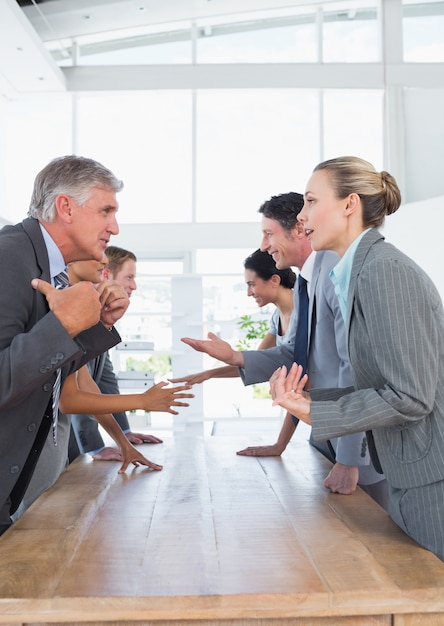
<point>33,344</point>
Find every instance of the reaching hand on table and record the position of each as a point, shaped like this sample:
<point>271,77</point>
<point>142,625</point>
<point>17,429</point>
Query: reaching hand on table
<point>132,455</point>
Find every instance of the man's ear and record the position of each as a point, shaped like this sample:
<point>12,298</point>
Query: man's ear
<point>63,207</point>
<point>299,229</point>
<point>106,274</point>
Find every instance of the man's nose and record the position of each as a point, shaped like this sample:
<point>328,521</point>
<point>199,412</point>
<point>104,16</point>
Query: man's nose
<point>113,226</point>
<point>264,244</point>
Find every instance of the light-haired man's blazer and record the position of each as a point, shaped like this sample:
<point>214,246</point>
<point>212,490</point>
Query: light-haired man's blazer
<point>33,344</point>
<point>395,325</point>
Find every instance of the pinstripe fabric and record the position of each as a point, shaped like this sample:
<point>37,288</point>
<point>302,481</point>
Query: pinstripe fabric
<point>395,324</point>
<point>415,511</point>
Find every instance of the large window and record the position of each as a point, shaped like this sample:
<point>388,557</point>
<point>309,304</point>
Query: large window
<point>350,33</point>
<point>353,124</point>
<point>145,138</point>
<point>140,47</point>
<point>290,39</point>
<point>209,149</point>
<point>37,129</point>
<point>215,162</point>
<point>344,31</point>
<point>423,27</point>
<point>148,317</point>
<point>250,146</point>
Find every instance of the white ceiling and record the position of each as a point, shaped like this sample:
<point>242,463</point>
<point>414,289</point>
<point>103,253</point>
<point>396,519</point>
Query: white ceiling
<point>26,65</point>
<point>71,18</point>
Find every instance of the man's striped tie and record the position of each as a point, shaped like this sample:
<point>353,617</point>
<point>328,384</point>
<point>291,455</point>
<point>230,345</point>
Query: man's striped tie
<point>60,282</point>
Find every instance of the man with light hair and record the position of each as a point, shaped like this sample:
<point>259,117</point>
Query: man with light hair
<point>48,333</point>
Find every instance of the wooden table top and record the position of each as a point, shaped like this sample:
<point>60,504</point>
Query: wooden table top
<point>213,536</point>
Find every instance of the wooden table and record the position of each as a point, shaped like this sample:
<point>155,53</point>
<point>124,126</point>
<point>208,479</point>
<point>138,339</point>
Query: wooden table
<point>214,538</point>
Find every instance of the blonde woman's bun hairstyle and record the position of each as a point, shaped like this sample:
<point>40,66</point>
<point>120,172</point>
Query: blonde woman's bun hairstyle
<point>379,192</point>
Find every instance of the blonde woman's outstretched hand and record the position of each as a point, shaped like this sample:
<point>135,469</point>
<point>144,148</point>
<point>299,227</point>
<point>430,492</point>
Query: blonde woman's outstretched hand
<point>287,390</point>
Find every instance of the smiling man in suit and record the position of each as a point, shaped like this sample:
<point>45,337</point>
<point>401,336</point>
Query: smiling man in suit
<point>328,365</point>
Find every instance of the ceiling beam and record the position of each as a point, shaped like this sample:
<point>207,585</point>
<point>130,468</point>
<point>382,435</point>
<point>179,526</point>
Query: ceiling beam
<point>254,76</point>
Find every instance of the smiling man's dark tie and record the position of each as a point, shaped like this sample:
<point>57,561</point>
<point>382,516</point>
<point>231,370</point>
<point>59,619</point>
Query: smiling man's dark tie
<point>301,338</point>
<point>300,355</point>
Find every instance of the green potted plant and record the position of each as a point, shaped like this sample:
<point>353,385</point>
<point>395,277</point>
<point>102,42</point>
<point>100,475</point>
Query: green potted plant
<point>255,331</point>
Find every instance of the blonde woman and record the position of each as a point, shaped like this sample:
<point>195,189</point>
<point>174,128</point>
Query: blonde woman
<point>395,326</point>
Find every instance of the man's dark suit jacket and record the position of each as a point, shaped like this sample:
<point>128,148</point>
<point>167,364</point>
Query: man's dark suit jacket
<point>33,344</point>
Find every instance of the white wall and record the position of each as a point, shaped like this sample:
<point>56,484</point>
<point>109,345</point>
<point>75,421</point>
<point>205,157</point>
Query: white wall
<point>424,140</point>
<point>417,229</point>
<point>3,186</point>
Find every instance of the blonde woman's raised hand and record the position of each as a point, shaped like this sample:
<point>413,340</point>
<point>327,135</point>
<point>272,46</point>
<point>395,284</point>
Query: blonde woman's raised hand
<point>287,390</point>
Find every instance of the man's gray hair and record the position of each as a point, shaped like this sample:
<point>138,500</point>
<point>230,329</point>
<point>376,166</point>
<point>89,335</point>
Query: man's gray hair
<point>72,175</point>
